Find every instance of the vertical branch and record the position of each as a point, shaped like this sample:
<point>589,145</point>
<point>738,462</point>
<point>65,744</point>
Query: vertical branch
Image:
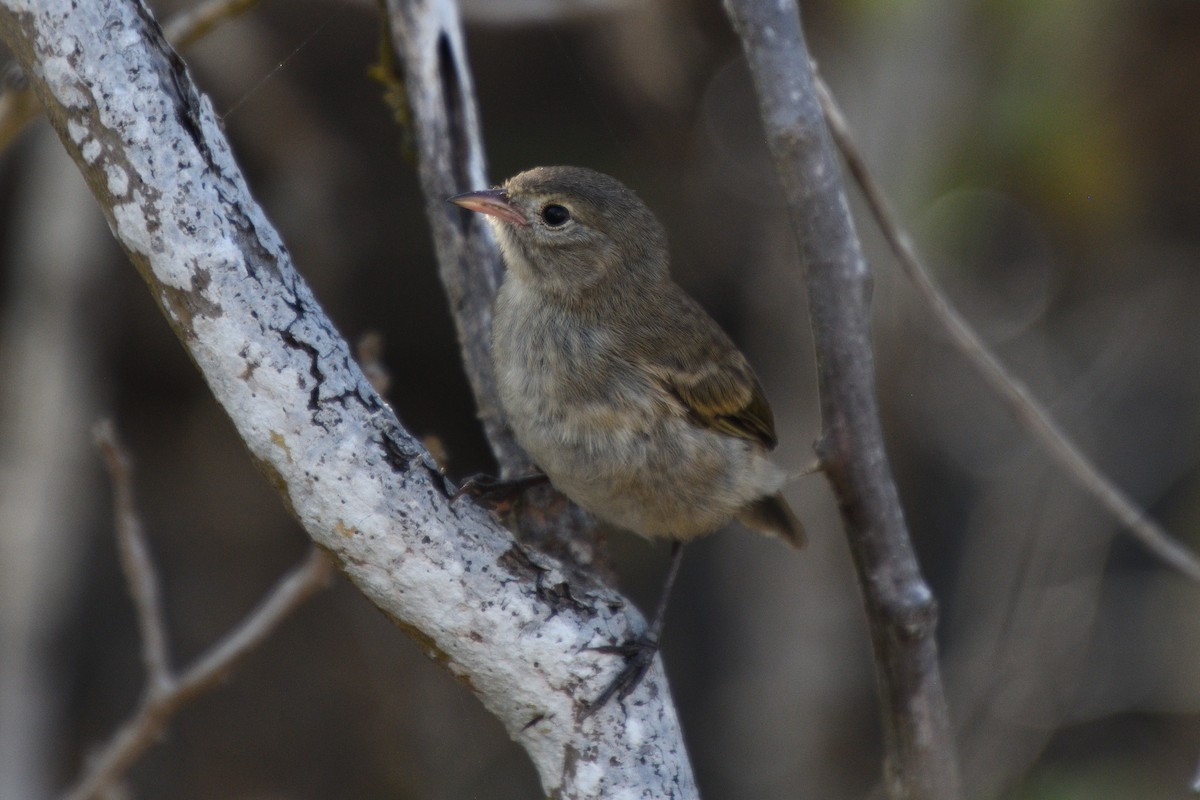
<point>441,112</point>
<point>427,37</point>
<point>901,612</point>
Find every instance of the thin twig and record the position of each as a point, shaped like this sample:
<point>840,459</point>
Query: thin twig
<point>166,693</point>
<point>292,590</point>
<point>158,705</point>
<point>1012,391</point>
<point>135,556</point>
<point>19,107</point>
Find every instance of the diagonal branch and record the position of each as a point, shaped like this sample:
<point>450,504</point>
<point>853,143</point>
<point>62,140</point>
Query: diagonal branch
<point>1012,391</point>
<point>901,612</point>
<point>292,590</point>
<point>164,698</point>
<point>507,622</point>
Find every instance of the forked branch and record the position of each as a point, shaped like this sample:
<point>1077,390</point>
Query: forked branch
<point>167,692</point>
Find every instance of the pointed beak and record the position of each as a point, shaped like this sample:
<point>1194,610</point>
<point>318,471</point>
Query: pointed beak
<point>490,201</point>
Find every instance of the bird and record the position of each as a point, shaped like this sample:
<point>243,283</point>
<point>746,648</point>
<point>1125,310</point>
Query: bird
<point>626,394</point>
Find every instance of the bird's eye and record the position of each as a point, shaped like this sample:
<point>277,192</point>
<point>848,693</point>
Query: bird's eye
<point>555,215</point>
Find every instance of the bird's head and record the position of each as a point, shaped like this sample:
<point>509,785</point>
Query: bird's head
<point>568,229</point>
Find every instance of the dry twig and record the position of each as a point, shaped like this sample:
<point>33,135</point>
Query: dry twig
<point>135,557</point>
<point>166,692</point>
<point>1020,401</point>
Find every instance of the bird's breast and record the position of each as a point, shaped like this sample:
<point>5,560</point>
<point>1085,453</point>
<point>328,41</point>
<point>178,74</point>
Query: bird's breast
<point>605,431</point>
<point>563,380</point>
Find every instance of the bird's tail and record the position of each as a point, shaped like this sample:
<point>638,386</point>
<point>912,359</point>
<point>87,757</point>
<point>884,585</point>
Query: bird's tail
<point>773,515</point>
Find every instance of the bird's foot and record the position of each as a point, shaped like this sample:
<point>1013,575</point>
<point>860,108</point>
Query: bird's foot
<point>639,655</point>
<point>496,492</point>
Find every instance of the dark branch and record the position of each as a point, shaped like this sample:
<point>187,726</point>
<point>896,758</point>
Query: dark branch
<point>450,160</point>
<point>920,758</point>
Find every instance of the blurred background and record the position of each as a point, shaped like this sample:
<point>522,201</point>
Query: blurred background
<point>1046,159</point>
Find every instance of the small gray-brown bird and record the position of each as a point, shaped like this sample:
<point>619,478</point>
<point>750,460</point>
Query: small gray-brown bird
<point>629,397</point>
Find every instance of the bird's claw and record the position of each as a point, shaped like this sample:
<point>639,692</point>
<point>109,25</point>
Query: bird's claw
<point>494,492</point>
<point>639,655</point>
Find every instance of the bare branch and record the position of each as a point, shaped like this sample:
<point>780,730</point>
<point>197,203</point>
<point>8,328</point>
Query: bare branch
<point>164,697</point>
<point>1021,402</point>
<point>165,694</point>
<point>441,110</point>
<point>312,575</point>
<point>135,557</point>
<point>920,755</point>
<point>507,621</point>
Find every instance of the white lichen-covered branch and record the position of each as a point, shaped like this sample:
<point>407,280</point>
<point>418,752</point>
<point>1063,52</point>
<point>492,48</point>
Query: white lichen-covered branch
<point>505,621</point>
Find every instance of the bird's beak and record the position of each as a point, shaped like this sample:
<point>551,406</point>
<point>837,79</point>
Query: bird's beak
<point>490,201</point>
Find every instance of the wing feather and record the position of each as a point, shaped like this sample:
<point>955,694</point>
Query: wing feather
<point>712,380</point>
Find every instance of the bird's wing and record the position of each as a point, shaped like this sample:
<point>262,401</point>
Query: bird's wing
<point>715,384</point>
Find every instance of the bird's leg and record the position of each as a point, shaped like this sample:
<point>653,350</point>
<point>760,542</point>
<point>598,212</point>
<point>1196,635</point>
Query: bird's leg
<point>491,491</point>
<point>639,652</point>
